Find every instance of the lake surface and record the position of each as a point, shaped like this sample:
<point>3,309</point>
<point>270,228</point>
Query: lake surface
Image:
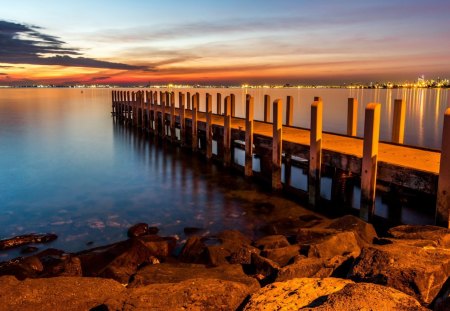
<point>66,166</point>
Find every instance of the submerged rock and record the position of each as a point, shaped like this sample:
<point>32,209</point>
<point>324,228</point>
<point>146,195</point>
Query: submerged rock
<point>136,230</point>
<point>27,239</point>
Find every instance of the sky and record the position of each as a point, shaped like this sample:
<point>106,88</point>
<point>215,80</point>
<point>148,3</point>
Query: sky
<point>223,42</point>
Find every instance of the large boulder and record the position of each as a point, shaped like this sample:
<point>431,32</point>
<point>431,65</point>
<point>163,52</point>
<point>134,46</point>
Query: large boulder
<point>293,294</point>
<point>282,255</point>
<point>418,272</point>
<point>271,242</point>
<point>192,294</point>
<point>364,232</point>
<point>68,293</point>
<point>432,235</point>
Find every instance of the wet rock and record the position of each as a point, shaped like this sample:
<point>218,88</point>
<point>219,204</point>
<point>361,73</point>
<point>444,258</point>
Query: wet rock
<point>430,235</point>
<point>418,272</point>
<point>365,296</point>
<point>284,226</point>
<point>71,293</point>
<point>28,249</point>
<point>153,230</point>
<point>27,239</point>
<point>22,267</point>
<point>178,272</point>
<point>192,294</point>
<point>265,267</point>
<point>271,242</point>
<point>192,230</point>
<point>294,294</point>
<point>243,255</point>
<point>138,229</point>
<point>282,255</point>
<point>60,265</point>
<point>364,232</point>
<point>193,251</point>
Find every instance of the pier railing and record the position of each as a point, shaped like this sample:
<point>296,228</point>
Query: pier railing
<point>277,148</point>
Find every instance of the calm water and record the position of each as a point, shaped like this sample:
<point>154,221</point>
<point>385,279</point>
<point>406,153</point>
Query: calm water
<point>66,167</point>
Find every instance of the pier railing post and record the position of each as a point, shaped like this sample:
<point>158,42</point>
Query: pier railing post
<point>249,112</point>
<point>208,126</point>
<point>352,116</point>
<point>182,99</point>
<point>370,160</point>
<point>195,102</point>
<point>173,137</point>
<point>227,132</point>
<point>398,122</point>
<point>315,152</point>
<point>289,111</point>
<point>443,195</point>
<point>219,104</point>
<point>266,108</point>
<point>277,141</point>
<point>233,105</point>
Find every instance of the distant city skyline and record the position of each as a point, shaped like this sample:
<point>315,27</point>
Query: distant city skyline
<point>232,42</point>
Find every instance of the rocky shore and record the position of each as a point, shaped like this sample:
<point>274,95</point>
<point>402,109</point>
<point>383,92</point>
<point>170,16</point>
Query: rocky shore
<point>307,263</point>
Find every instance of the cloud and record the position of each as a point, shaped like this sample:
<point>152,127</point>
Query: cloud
<point>24,44</point>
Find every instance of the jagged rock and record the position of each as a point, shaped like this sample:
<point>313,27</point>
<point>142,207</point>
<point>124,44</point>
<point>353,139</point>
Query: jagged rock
<point>271,241</point>
<point>153,230</point>
<point>429,235</point>
<point>365,296</point>
<point>68,293</point>
<point>193,251</point>
<point>28,249</point>
<point>22,268</point>
<point>178,272</point>
<point>289,226</point>
<point>282,255</point>
<point>243,255</point>
<point>192,294</point>
<point>293,294</point>
<point>418,272</point>
<point>264,267</point>
<point>27,239</point>
<point>139,229</point>
<point>364,232</point>
<point>61,265</point>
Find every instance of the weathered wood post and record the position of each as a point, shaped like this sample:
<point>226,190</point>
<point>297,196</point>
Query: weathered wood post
<point>233,105</point>
<point>370,160</point>
<point>398,122</point>
<point>208,126</point>
<point>113,101</point>
<point>165,100</point>
<point>219,104</point>
<point>127,109</point>
<point>227,132</point>
<point>182,99</point>
<point>249,112</point>
<point>266,108</point>
<point>195,101</point>
<point>150,111</point>
<point>289,111</point>
<point>188,98</point>
<point>443,195</point>
<point>277,141</point>
<point>315,152</point>
<point>156,114</point>
<point>352,116</point>
<point>173,136</point>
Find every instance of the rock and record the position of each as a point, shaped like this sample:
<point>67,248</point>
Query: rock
<point>265,267</point>
<point>192,294</point>
<point>153,230</point>
<point>282,255</point>
<point>192,230</point>
<point>234,236</point>
<point>438,236</point>
<point>365,296</point>
<point>286,226</point>
<point>27,239</point>
<point>71,293</point>
<point>178,272</point>
<point>22,268</point>
<point>28,249</point>
<point>418,272</point>
<point>159,246</point>
<point>193,251</point>
<point>139,229</point>
<point>294,294</point>
<point>271,242</point>
<point>327,243</point>
<point>243,255</point>
<point>63,265</point>
<point>365,233</point>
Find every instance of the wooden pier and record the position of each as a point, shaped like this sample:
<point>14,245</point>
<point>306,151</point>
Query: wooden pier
<point>341,157</point>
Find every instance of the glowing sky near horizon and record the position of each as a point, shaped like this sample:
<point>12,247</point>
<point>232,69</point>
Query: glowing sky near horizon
<point>223,41</point>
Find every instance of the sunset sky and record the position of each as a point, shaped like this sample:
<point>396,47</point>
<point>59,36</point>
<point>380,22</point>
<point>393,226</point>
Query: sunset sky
<point>223,42</point>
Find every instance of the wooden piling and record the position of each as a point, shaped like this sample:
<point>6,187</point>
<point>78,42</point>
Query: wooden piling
<point>227,132</point>
<point>219,104</point>
<point>315,153</point>
<point>188,98</point>
<point>195,103</point>
<point>128,106</point>
<point>182,99</point>
<point>164,100</point>
<point>233,105</point>
<point>173,136</point>
<point>398,122</point>
<point>352,116</point>
<point>277,143</point>
<point>249,113</point>
<point>266,108</point>
<point>289,111</point>
<point>443,194</point>
<point>208,126</point>
<point>370,160</point>
<point>156,115</point>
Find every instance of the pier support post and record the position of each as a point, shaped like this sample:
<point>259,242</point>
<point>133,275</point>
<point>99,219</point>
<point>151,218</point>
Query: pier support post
<point>128,106</point>
<point>195,102</point>
<point>315,152</point>
<point>352,116</point>
<point>266,108</point>
<point>233,105</point>
<point>398,122</point>
<point>182,99</point>
<point>219,104</point>
<point>227,133</point>
<point>289,111</point>
<point>277,143</point>
<point>173,137</point>
<point>156,115</point>
<point>188,99</point>
<point>370,160</point>
<point>164,100</point>
<point>249,108</point>
<point>208,126</point>
<point>443,195</point>
<point>150,111</point>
